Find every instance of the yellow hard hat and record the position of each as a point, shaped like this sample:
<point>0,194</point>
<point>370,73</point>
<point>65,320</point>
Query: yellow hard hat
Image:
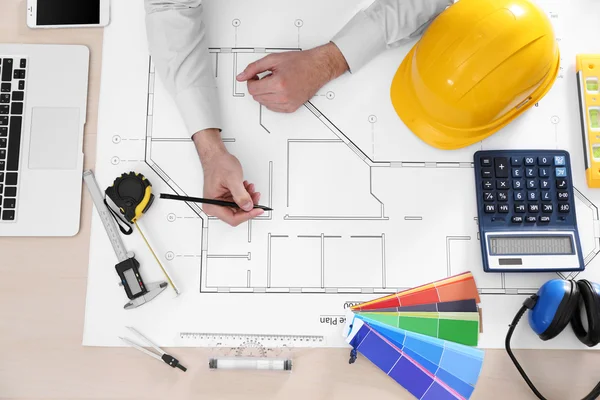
<point>479,65</point>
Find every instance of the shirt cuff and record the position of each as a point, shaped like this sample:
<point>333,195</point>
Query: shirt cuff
<point>360,41</point>
<point>199,108</point>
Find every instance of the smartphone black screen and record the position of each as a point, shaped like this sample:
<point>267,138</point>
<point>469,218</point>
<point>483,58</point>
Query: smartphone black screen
<point>68,12</point>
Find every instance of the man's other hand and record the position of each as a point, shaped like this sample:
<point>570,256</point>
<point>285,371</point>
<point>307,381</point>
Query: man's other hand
<point>295,77</point>
<point>224,180</point>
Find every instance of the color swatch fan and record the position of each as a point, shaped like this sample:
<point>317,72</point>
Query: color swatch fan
<point>421,337</point>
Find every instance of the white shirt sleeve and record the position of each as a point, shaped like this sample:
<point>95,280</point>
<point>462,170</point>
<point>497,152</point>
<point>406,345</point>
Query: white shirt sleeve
<point>177,41</point>
<point>385,24</point>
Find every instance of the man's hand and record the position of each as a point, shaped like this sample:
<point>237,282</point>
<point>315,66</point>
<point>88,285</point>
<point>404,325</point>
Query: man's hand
<point>224,180</point>
<point>295,76</point>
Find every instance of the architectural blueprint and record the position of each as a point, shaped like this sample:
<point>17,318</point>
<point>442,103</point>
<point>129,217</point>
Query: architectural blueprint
<point>361,206</point>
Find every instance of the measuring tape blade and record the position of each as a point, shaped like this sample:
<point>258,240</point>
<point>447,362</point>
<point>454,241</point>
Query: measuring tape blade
<point>107,220</point>
<point>201,339</point>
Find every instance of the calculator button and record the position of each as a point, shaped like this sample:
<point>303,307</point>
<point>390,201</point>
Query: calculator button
<point>531,219</point>
<point>501,167</point>
<point>517,172</point>
<point>486,172</point>
<point>490,208</point>
<point>516,161</point>
<point>487,184</point>
<point>544,160</point>
<point>532,184</point>
<point>544,172</point>
<point>563,196</point>
<point>486,162</point>
<point>520,208</point>
<point>529,161</point>
<point>546,196</point>
<point>564,208</point>
<point>488,196</point>
<point>559,161</point>
<point>517,219</point>
<point>561,183</point>
<point>532,195</point>
<point>544,219</point>
<point>501,184</point>
<point>534,208</point>
<point>519,196</point>
<point>547,208</point>
<point>503,208</point>
<point>561,172</point>
<point>518,184</point>
<point>502,196</point>
<point>530,172</point>
<point>545,184</point>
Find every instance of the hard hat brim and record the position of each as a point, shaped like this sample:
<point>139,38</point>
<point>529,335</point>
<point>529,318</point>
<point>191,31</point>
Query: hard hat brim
<point>411,112</point>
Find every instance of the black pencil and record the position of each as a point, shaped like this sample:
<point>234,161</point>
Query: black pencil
<point>207,201</point>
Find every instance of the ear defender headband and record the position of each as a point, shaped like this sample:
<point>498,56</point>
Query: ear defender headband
<point>589,294</point>
<point>558,303</point>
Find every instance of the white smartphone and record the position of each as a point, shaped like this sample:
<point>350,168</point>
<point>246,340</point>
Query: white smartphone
<point>67,13</point>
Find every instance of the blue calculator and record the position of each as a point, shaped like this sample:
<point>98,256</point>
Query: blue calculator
<point>526,211</point>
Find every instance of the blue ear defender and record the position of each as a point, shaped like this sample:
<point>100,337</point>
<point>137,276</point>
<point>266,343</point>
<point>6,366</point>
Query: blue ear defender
<point>558,303</point>
<point>555,304</point>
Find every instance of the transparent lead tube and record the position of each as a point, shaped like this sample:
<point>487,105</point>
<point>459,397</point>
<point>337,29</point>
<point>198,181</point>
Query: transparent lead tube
<point>258,363</point>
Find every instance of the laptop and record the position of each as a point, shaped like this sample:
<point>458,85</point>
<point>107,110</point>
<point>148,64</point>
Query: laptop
<point>43,98</point>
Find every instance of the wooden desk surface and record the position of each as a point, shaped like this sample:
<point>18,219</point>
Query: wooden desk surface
<point>42,302</point>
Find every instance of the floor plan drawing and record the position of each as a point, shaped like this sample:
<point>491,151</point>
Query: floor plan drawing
<point>314,226</point>
<point>361,206</point>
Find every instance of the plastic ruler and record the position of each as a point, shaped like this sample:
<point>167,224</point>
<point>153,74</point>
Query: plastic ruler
<point>249,344</point>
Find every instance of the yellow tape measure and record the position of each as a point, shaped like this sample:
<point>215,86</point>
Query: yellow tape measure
<point>132,194</point>
<point>588,74</point>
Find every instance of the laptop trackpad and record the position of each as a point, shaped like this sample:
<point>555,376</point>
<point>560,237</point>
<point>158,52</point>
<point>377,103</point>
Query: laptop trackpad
<point>54,138</point>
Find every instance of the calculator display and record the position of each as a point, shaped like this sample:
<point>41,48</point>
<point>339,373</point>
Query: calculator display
<point>525,245</point>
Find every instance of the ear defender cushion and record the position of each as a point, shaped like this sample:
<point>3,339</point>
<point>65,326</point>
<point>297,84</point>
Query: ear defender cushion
<point>555,305</point>
<point>565,312</point>
<point>590,298</point>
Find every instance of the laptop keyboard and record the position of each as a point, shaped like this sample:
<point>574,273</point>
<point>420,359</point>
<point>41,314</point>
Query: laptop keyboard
<point>13,84</point>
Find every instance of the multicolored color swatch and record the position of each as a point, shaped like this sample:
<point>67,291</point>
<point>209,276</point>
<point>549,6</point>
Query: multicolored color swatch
<point>420,337</point>
<point>428,368</point>
<point>469,305</point>
<point>454,288</point>
<point>461,328</point>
